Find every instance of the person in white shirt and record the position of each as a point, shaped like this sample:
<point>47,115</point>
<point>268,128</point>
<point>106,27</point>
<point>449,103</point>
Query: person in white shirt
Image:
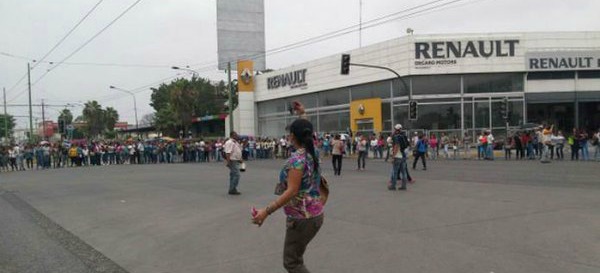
<point>490,147</point>
<point>219,147</point>
<point>361,149</point>
<point>559,144</point>
<point>140,149</point>
<point>233,157</point>
<point>12,157</point>
<point>283,145</point>
<point>388,142</point>
<point>373,144</point>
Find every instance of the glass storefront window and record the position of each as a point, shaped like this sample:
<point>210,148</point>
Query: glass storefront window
<point>272,127</point>
<point>562,115</point>
<point>436,84</point>
<point>515,112</point>
<point>401,87</point>
<point>401,115</point>
<point>386,116</point>
<point>334,97</point>
<point>552,75</point>
<point>309,100</point>
<point>497,82</point>
<point>589,116</point>
<point>590,74</point>
<point>430,116</point>
<point>371,90</point>
<point>482,114</point>
<point>270,107</point>
<point>468,122</point>
<point>334,122</point>
<point>497,119</point>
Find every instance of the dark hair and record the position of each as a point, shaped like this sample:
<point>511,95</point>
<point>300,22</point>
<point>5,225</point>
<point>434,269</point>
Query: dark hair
<point>302,130</point>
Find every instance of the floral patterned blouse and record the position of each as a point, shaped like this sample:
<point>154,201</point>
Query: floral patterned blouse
<point>307,203</point>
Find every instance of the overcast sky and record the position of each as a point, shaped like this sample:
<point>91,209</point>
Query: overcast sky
<point>163,33</point>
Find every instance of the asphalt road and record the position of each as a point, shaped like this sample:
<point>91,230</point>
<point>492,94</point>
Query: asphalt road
<point>460,216</point>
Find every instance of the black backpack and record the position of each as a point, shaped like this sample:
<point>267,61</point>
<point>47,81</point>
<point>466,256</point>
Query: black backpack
<point>402,141</point>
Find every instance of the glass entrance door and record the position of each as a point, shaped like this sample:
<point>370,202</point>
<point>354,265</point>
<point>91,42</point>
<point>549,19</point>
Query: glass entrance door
<point>365,126</point>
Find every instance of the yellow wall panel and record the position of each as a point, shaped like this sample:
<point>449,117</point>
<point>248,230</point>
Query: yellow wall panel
<point>371,109</point>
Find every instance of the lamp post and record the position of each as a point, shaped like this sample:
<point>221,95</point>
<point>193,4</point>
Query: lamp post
<point>229,90</point>
<point>186,69</point>
<point>134,102</point>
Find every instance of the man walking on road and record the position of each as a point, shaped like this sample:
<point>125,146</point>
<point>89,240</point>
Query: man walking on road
<point>233,156</point>
<point>400,143</point>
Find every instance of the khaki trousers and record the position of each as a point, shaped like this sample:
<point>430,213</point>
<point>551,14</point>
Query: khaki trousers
<point>298,234</point>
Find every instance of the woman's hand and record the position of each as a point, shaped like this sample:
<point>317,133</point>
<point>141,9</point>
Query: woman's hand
<point>298,108</point>
<point>261,216</point>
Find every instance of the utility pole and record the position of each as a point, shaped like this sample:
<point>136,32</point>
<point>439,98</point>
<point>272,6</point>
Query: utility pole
<point>43,121</point>
<point>229,92</point>
<point>5,117</point>
<point>30,111</point>
<point>360,24</point>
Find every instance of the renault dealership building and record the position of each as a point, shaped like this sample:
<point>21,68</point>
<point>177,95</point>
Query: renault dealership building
<point>459,81</point>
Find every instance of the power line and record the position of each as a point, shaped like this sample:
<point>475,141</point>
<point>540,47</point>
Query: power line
<point>59,42</point>
<point>365,25</point>
<point>90,63</point>
<point>87,42</point>
<point>420,10</point>
<point>147,86</point>
<point>70,31</point>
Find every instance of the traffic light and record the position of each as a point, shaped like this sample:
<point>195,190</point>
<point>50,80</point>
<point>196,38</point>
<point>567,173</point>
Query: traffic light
<point>345,64</point>
<point>504,109</point>
<point>412,110</point>
<point>61,126</point>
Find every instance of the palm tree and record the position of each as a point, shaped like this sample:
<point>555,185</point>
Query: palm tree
<point>64,119</point>
<point>94,116</point>
<point>66,116</point>
<point>111,116</point>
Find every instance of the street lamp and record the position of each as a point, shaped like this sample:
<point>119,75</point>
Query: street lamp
<point>186,69</point>
<point>134,102</point>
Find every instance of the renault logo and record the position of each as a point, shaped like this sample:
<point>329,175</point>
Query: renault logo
<point>361,109</point>
<point>246,76</point>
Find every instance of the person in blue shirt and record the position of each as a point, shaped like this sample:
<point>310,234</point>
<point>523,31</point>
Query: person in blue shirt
<point>421,151</point>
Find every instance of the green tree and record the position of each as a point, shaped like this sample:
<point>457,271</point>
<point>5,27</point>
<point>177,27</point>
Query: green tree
<point>66,115</point>
<point>177,102</point>
<point>166,121</point>
<point>183,97</point>
<point>64,119</point>
<point>6,122</point>
<point>111,117</point>
<point>94,117</point>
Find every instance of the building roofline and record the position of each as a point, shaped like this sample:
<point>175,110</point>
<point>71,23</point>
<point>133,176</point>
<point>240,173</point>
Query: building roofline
<point>418,36</point>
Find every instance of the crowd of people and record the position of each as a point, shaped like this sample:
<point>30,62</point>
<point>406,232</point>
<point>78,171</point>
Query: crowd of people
<point>47,155</point>
<point>526,144</point>
<point>520,145</point>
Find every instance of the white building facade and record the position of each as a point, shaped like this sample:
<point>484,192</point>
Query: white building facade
<point>459,81</point>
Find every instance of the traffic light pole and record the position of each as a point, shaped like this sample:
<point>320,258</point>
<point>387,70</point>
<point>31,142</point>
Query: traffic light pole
<point>230,98</point>
<point>506,118</point>
<point>5,117</point>
<point>410,104</point>
<point>390,70</point>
